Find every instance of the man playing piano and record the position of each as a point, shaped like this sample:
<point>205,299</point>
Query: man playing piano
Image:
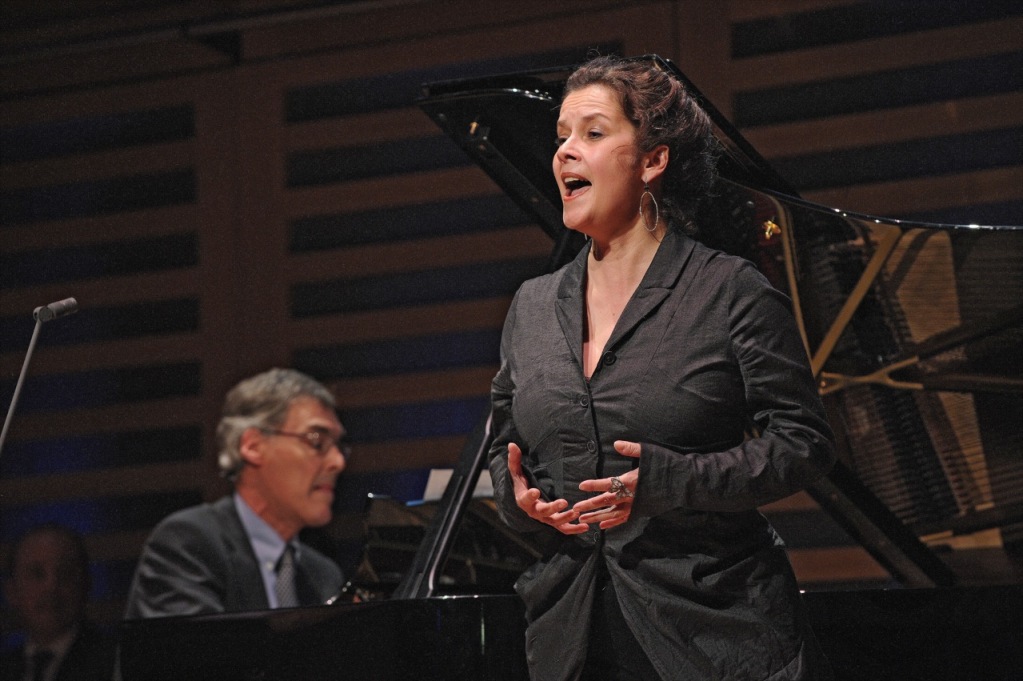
<point>279,441</point>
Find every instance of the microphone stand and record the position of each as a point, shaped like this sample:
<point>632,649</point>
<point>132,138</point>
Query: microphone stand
<point>42,314</point>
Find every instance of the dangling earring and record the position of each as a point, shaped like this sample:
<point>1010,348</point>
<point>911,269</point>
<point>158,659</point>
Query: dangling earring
<point>657,210</point>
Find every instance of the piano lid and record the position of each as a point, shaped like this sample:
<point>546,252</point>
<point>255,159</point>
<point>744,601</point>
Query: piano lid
<point>918,356</point>
<point>506,124</point>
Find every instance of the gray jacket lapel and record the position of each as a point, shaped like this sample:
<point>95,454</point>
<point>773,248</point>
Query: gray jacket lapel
<point>661,277</point>
<point>570,304</point>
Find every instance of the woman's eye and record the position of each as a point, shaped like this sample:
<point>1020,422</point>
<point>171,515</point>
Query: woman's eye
<point>593,134</point>
<point>558,141</point>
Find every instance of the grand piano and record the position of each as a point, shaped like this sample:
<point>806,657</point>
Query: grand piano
<point>915,332</point>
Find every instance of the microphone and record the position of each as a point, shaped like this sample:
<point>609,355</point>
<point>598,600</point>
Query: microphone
<point>61,308</point>
<point>43,313</point>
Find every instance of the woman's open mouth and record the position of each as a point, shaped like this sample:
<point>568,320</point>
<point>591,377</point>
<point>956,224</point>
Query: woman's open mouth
<point>574,186</point>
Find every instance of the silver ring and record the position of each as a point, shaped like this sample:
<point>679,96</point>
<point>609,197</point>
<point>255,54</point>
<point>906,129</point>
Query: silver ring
<point>620,490</point>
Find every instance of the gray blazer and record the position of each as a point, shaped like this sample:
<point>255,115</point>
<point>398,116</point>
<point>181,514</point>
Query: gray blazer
<point>200,561</point>
<point>705,350</point>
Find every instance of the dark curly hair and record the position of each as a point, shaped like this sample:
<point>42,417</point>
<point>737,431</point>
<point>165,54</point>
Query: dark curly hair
<point>663,112</point>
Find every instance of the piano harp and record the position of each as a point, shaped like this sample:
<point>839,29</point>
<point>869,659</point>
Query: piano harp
<point>915,332</point>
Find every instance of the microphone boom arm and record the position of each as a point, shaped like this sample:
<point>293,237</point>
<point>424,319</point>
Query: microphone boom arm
<point>43,313</point>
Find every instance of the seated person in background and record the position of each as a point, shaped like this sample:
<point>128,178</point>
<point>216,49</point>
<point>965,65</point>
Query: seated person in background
<point>46,583</point>
<point>278,439</point>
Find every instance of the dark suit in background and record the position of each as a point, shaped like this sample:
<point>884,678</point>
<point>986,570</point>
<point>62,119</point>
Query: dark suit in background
<point>47,584</point>
<point>90,658</point>
<point>200,561</point>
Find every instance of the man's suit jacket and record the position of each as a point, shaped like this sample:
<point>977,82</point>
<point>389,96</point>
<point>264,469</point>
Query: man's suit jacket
<point>90,658</point>
<point>200,561</point>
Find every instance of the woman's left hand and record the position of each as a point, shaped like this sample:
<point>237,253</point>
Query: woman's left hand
<point>613,505</point>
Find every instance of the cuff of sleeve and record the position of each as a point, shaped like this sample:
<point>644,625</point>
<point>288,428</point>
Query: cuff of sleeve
<point>663,476</point>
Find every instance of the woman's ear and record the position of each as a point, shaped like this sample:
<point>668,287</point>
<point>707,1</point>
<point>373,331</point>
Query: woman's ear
<point>250,446</point>
<point>655,162</point>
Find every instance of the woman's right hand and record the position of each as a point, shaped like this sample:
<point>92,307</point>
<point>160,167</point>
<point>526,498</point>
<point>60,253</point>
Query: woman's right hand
<point>555,513</point>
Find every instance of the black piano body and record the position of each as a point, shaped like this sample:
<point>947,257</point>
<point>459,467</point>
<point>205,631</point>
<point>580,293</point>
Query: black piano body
<point>949,634</point>
<point>920,361</point>
<point>463,638</point>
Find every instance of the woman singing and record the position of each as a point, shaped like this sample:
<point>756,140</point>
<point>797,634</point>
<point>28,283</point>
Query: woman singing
<point>652,394</point>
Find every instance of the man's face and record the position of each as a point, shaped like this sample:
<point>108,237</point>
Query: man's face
<point>295,481</point>
<point>47,588</point>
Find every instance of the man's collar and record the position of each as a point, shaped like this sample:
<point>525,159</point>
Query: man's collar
<point>267,544</point>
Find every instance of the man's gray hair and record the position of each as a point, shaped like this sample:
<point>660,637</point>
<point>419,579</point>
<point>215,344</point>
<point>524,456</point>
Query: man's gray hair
<point>261,401</point>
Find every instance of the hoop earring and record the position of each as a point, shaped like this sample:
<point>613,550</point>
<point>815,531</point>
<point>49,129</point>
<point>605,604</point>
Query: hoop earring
<point>657,209</point>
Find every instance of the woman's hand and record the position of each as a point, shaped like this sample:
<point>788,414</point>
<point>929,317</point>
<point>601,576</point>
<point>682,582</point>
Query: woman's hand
<point>613,505</point>
<point>554,513</point>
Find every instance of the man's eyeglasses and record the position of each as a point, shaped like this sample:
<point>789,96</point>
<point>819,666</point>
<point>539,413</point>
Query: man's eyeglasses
<point>321,442</point>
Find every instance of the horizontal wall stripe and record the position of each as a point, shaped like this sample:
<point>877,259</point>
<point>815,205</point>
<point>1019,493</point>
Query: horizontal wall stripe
<point>410,421</point>
<point>420,386</point>
<point>115,546</point>
<point>102,387</point>
<point>92,516</point>
<point>96,324</point>
<point>96,133</point>
<point>99,197</point>
<point>879,55</point>
<point>887,126</point>
<point>344,164</point>
<point>359,129</point>
<point>402,322</point>
<point>152,478</point>
<point>107,259</point>
<point>151,160</point>
<point>927,193</point>
<point>396,90</point>
<point>860,21</point>
<point>404,223</point>
<point>172,412</point>
<point>394,455</point>
<point>178,347</point>
<point>414,288</point>
<point>433,253</point>
<point>27,458</point>
<point>101,228</point>
<point>915,158</point>
<point>740,11</point>
<point>379,192</point>
<point>402,355</point>
<point>112,292</point>
<point>997,74</point>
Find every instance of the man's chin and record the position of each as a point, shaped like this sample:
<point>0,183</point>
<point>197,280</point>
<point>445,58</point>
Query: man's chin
<point>320,518</point>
